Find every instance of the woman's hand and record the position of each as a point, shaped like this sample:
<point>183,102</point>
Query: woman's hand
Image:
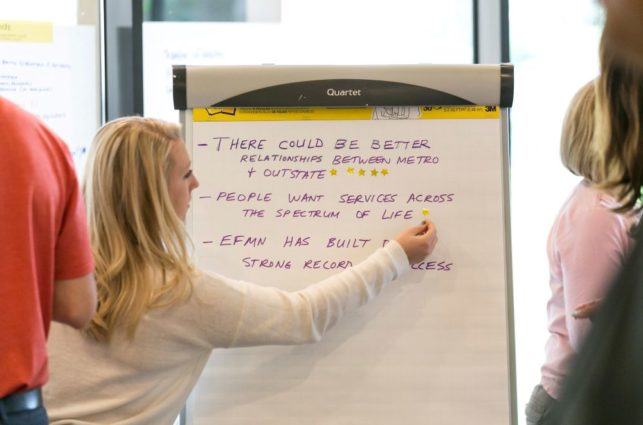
<point>418,241</point>
<point>586,311</point>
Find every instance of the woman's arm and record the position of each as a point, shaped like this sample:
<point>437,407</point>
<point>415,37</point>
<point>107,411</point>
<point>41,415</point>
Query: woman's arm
<point>265,315</point>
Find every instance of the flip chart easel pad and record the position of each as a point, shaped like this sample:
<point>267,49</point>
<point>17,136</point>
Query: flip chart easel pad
<point>433,347</point>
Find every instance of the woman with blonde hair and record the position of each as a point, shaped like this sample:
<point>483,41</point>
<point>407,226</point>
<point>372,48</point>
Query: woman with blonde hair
<point>605,384</point>
<point>158,316</point>
<point>588,243</point>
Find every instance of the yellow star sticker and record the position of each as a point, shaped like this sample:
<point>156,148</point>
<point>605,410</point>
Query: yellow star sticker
<point>350,170</point>
<point>362,171</point>
<point>384,171</point>
<point>333,172</point>
<point>373,172</point>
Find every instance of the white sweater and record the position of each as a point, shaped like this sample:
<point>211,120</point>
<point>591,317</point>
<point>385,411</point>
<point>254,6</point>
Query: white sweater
<point>147,380</point>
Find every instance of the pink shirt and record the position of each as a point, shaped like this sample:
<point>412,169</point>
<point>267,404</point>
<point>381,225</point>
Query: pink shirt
<point>587,245</point>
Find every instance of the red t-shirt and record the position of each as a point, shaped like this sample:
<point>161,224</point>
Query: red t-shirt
<point>43,237</point>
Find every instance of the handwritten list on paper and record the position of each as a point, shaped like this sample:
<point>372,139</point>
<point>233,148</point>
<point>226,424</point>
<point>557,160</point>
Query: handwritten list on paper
<point>286,203</point>
<point>283,195</point>
<point>56,78</point>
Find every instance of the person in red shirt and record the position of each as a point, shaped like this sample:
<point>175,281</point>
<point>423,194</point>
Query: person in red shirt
<point>46,265</point>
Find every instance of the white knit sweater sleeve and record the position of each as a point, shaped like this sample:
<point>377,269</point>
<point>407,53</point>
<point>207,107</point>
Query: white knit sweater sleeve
<point>273,316</point>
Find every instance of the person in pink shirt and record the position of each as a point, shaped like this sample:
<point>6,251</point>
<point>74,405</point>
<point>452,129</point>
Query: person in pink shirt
<point>588,243</point>
<point>605,382</point>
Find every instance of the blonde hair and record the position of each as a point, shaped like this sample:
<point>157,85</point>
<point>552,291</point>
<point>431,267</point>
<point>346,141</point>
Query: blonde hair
<point>578,151</point>
<point>620,114</point>
<point>138,241</point>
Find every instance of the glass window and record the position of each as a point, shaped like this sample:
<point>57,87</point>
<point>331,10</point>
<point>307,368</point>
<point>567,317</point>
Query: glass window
<point>295,32</point>
<point>554,47</point>
<point>50,59</point>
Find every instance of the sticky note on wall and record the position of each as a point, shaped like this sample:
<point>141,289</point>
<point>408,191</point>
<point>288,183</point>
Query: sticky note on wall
<point>26,32</point>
